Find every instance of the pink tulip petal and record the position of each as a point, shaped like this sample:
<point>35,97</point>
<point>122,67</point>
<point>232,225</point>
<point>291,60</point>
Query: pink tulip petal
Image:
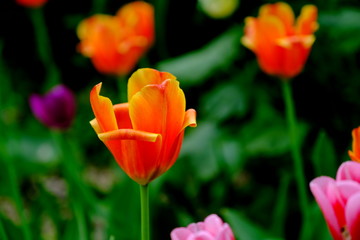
<point>352,213</point>
<point>319,188</point>
<point>196,227</point>
<point>202,235</point>
<point>349,170</point>
<point>225,233</point>
<point>180,233</point>
<point>213,224</point>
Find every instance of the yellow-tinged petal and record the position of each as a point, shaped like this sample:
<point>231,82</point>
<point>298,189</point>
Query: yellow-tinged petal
<point>282,11</point>
<point>146,76</point>
<point>95,125</point>
<point>158,108</point>
<point>250,31</point>
<point>128,134</point>
<point>103,110</point>
<point>190,118</point>
<point>307,21</point>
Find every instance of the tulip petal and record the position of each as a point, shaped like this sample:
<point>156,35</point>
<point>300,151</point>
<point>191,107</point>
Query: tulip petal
<point>95,125</point>
<point>306,23</point>
<point>138,16</point>
<point>103,110</point>
<point>122,115</point>
<point>144,77</point>
<point>250,32</point>
<point>282,11</point>
<point>180,233</point>
<point>128,134</point>
<point>213,224</point>
<point>225,233</point>
<point>355,153</point>
<point>270,29</point>
<point>352,213</point>
<point>190,118</point>
<point>319,187</point>
<point>202,235</point>
<point>349,171</point>
<point>159,109</point>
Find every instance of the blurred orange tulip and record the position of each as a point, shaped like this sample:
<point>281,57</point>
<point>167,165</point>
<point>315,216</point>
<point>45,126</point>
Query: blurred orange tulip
<point>31,3</point>
<point>144,135</point>
<point>116,43</point>
<point>281,45</point>
<point>355,153</point>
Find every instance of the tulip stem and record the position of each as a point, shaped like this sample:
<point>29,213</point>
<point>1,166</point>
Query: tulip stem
<point>2,232</point>
<point>295,152</point>
<point>14,185</point>
<point>43,47</point>
<point>144,198</point>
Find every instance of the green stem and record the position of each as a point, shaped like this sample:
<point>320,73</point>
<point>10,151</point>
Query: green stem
<point>13,182</point>
<point>2,232</point>
<point>279,214</point>
<point>144,199</point>
<point>80,219</point>
<point>295,151</point>
<point>43,46</point>
<point>122,88</point>
<point>71,170</point>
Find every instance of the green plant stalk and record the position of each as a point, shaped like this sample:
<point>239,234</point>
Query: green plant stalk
<point>2,232</point>
<point>71,172</point>
<point>13,182</point>
<point>80,220</point>
<point>43,47</point>
<point>145,223</point>
<point>296,155</point>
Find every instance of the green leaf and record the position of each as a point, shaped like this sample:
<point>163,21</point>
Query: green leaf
<point>324,156</point>
<point>224,101</point>
<point>194,67</point>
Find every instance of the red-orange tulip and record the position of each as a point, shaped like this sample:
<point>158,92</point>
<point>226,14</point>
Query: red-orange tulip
<point>281,44</point>
<point>355,153</point>
<point>144,135</point>
<point>31,3</point>
<point>116,43</point>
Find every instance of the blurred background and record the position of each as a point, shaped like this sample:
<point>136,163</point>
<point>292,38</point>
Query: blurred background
<point>236,163</point>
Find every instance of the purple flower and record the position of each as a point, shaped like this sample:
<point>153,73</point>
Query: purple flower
<point>55,109</point>
<point>213,228</point>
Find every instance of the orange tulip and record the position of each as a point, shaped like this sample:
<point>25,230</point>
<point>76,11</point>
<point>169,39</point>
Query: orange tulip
<point>281,44</point>
<point>144,135</point>
<point>31,3</point>
<point>355,153</point>
<point>116,43</point>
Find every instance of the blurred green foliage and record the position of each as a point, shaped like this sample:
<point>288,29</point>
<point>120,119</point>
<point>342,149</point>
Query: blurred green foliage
<point>236,163</point>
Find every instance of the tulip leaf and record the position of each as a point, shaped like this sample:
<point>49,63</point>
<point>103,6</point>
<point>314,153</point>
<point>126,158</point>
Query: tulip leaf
<point>224,101</point>
<point>324,156</point>
<point>193,68</point>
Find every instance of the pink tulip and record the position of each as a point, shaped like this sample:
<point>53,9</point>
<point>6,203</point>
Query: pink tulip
<point>213,228</point>
<point>339,200</point>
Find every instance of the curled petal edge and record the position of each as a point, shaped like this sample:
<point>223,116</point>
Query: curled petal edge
<point>190,119</point>
<point>129,134</point>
